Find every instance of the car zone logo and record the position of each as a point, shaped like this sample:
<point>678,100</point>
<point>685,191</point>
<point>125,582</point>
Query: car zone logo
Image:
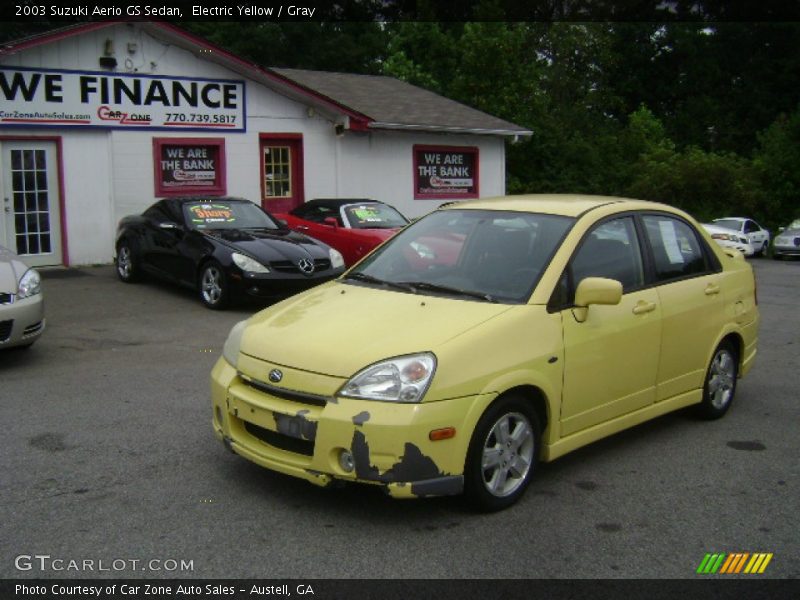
<point>735,563</point>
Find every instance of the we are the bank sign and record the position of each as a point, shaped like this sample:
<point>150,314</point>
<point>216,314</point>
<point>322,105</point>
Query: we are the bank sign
<point>62,98</point>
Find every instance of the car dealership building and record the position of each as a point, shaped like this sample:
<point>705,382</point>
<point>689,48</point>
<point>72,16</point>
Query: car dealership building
<point>98,120</point>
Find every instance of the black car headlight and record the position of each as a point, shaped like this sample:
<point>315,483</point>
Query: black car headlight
<point>250,265</point>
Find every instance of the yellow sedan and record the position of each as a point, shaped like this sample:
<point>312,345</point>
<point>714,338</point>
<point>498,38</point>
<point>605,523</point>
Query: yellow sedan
<point>485,337</point>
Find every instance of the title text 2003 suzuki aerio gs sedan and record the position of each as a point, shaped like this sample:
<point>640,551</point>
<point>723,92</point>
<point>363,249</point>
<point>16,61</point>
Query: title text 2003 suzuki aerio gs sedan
<point>487,336</point>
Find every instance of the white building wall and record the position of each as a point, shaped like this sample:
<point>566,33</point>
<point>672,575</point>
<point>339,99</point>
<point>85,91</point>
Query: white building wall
<point>110,173</point>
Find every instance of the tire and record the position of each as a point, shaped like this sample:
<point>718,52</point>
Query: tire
<point>213,286</point>
<point>127,266</point>
<point>720,384</point>
<point>502,455</point>
<point>764,249</point>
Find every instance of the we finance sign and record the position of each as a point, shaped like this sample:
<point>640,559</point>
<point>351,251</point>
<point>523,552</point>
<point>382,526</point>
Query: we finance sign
<point>61,98</point>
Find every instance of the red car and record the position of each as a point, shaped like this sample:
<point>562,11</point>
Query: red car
<point>352,226</point>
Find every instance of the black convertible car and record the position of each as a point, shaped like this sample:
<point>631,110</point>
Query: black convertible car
<point>222,247</point>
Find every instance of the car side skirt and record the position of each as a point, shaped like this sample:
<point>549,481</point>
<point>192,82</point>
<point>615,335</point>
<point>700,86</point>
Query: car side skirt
<point>593,434</point>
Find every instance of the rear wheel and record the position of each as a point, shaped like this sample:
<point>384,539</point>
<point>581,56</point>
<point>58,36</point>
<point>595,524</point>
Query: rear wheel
<point>127,267</point>
<point>502,454</point>
<point>214,288</point>
<point>720,385</point>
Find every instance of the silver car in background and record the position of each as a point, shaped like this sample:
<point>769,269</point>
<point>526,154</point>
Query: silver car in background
<point>21,303</point>
<point>787,242</point>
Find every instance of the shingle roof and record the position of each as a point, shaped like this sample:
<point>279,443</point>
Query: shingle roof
<point>394,104</point>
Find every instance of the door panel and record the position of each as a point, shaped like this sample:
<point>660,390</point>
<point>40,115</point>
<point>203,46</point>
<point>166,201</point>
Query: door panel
<point>30,219</point>
<point>611,358</point>
<point>611,361</point>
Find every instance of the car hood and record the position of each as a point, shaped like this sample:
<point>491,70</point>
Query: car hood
<point>267,245</point>
<point>338,329</point>
<point>11,270</point>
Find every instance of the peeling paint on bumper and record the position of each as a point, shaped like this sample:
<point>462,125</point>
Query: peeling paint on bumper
<point>388,442</point>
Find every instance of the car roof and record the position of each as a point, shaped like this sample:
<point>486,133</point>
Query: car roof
<point>185,199</point>
<point>337,202</point>
<point>733,219</point>
<point>568,205</point>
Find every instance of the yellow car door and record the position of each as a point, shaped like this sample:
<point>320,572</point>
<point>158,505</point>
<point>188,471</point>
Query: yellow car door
<point>690,294</point>
<point>611,353</point>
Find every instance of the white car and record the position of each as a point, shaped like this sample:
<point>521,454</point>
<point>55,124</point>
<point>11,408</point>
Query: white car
<point>21,304</point>
<point>749,237</point>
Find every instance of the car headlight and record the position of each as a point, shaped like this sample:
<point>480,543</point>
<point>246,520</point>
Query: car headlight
<point>30,284</point>
<point>230,351</point>
<point>337,260</point>
<point>245,263</point>
<point>401,379</point>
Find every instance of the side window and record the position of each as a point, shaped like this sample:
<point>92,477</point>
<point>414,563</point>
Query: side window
<point>677,252</point>
<point>610,250</point>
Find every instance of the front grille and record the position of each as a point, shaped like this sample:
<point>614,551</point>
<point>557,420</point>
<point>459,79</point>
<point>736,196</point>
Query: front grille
<point>286,266</point>
<point>280,441</point>
<point>285,394</point>
<point>6,298</point>
<point>31,329</point>
<point>5,330</point>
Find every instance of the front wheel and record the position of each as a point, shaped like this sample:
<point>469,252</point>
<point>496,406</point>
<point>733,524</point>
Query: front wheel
<point>502,454</point>
<point>720,384</point>
<point>214,288</point>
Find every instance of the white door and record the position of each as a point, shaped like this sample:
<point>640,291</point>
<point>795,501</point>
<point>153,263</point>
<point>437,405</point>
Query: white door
<point>30,218</point>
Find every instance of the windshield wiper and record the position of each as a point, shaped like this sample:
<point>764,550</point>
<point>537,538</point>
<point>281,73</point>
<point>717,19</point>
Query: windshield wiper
<point>435,287</point>
<point>359,276</point>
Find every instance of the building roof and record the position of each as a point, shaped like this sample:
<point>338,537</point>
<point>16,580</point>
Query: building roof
<point>357,102</point>
<point>394,104</point>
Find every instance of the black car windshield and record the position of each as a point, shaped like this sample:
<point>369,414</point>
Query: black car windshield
<point>484,255</point>
<point>374,216</point>
<point>226,214</point>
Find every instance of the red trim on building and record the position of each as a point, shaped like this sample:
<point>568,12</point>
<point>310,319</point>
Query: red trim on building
<point>295,142</point>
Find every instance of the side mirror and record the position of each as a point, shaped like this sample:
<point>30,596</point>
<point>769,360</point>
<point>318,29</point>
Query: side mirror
<point>283,223</point>
<point>595,290</point>
<point>331,221</point>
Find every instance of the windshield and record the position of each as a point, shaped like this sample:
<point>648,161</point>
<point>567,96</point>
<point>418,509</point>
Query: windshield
<point>728,224</point>
<point>374,216</point>
<point>494,256</point>
<point>222,214</point>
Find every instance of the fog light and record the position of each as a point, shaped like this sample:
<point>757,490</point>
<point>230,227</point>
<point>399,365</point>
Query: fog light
<point>346,461</point>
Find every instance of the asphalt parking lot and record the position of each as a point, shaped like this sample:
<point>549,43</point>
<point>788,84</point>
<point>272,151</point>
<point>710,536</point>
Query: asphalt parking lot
<point>108,455</point>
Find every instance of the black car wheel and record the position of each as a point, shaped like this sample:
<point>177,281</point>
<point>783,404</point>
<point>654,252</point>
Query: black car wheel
<point>720,385</point>
<point>214,289</point>
<point>502,454</point>
<point>127,268</point>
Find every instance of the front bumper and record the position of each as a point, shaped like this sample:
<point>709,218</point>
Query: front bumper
<point>278,285</point>
<point>305,434</point>
<point>22,321</point>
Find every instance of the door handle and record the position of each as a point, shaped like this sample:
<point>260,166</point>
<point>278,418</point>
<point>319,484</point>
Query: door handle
<point>711,289</point>
<point>643,307</point>
<point>302,228</point>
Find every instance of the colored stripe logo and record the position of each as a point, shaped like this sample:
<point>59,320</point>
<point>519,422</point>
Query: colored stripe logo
<point>735,563</point>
